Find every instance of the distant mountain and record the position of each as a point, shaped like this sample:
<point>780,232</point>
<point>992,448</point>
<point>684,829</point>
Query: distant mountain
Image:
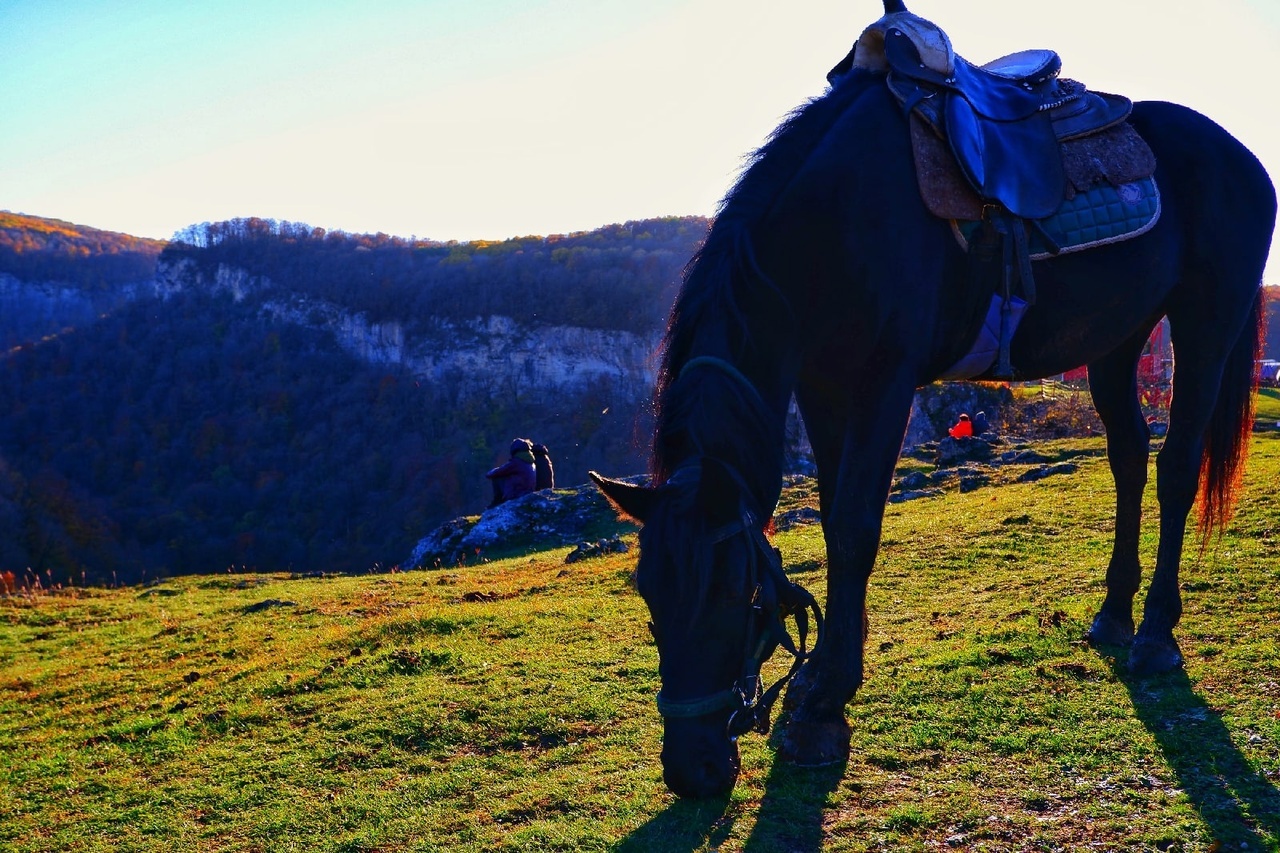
<point>273,395</point>
<point>33,248</point>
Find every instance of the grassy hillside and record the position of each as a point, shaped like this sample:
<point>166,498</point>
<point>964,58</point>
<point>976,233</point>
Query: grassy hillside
<point>509,706</point>
<point>1268,406</point>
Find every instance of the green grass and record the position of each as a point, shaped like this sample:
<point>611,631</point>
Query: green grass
<point>1268,406</point>
<point>508,706</point>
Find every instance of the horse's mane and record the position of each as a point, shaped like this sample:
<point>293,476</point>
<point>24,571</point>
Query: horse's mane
<point>717,275</point>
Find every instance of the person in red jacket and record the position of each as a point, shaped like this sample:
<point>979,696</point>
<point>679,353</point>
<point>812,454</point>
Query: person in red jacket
<point>517,477</point>
<point>963,428</point>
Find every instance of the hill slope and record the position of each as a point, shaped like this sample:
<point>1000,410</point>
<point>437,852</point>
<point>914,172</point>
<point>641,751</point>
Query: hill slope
<point>273,395</point>
<point>508,706</point>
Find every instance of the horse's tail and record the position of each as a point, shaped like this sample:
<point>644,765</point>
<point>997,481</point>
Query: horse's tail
<point>1226,439</point>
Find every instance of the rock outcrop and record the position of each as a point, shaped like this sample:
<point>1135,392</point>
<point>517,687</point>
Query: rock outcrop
<point>475,359</point>
<point>549,518</point>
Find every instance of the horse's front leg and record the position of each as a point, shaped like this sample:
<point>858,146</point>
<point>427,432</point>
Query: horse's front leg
<point>852,514</point>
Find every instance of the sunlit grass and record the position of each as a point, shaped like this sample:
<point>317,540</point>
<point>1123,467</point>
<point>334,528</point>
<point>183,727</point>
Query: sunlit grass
<point>1268,412</point>
<point>508,706</point>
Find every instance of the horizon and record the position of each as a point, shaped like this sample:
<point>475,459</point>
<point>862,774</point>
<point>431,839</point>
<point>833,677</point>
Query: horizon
<point>498,119</point>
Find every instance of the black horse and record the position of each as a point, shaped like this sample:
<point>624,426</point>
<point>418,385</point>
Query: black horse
<point>824,276</point>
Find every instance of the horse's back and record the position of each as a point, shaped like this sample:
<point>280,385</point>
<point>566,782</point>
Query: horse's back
<point>1180,132</point>
<point>1217,186</point>
<point>875,266</point>
<point>1220,205</point>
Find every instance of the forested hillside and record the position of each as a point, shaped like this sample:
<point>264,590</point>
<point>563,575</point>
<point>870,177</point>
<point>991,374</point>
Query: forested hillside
<point>192,428</point>
<point>55,275</point>
<point>35,249</point>
<point>201,439</point>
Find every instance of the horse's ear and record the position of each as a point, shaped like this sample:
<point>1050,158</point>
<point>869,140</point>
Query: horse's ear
<point>633,501</point>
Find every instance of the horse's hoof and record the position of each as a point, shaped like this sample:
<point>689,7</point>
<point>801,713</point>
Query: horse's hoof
<point>1108,630</point>
<point>815,744</point>
<point>1154,657</point>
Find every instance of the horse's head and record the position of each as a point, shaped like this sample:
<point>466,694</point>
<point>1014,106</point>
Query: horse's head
<point>717,597</point>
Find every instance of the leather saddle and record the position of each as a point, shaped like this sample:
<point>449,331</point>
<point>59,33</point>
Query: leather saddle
<point>1007,143</point>
<point>1006,121</point>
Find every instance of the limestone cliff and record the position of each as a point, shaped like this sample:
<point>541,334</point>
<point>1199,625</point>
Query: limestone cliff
<point>478,358</point>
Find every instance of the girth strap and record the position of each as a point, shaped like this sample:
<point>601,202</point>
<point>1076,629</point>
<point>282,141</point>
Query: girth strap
<point>1015,276</point>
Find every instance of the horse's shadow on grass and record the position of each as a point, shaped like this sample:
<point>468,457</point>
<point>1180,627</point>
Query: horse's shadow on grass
<point>788,818</point>
<point>1239,805</point>
<point>792,807</point>
<point>682,827</point>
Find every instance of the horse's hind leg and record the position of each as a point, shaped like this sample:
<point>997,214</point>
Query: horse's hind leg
<point>1113,384</point>
<point>1177,478</point>
<point>1205,347</point>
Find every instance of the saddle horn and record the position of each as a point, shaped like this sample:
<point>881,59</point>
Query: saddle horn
<point>891,6</point>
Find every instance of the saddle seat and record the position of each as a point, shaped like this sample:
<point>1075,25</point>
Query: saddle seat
<point>1026,67</point>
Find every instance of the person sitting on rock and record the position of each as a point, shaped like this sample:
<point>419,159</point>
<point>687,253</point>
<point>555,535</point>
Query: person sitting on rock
<point>963,428</point>
<point>546,478</point>
<point>517,477</point>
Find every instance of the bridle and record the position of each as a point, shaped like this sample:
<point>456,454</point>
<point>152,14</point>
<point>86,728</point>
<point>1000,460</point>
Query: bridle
<point>747,699</point>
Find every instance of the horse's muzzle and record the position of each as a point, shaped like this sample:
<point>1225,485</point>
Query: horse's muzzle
<point>699,760</point>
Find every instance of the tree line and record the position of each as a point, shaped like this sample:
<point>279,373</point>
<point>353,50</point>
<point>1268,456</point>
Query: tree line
<point>619,277</point>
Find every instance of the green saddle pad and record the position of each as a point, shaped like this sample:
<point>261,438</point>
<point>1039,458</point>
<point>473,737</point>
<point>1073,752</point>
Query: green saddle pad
<point>1101,215</point>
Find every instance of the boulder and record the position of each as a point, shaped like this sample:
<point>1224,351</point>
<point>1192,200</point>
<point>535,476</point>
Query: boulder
<point>796,517</point>
<point>612,545</point>
<point>914,494</point>
<point>937,406</point>
<point>545,519</point>
<point>912,480</point>
<point>1048,471</point>
<point>955,451</point>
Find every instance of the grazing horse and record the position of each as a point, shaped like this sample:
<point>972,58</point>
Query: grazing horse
<point>825,277</point>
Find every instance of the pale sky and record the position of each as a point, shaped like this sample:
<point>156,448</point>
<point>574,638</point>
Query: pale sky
<point>488,119</point>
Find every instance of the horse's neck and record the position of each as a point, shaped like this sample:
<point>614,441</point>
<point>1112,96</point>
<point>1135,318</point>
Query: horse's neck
<point>730,366</point>
<point>733,414</point>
